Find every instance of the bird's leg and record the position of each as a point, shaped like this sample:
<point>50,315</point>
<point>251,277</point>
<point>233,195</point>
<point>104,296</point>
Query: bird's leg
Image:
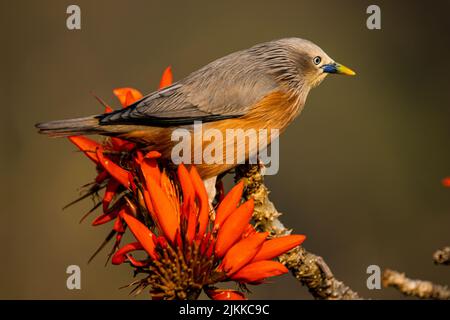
<point>210,186</point>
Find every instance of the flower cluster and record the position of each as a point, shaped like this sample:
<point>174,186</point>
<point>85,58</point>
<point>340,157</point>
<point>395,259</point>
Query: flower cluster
<point>446,182</point>
<point>109,157</point>
<point>188,251</point>
<point>189,246</point>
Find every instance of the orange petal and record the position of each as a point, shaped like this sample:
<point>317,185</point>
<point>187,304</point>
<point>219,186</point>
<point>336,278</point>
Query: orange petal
<point>167,78</point>
<point>152,155</point>
<point>250,230</point>
<point>166,215</point>
<point>258,271</point>
<point>148,204</point>
<point>102,176</point>
<point>229,204</point>
<point>273,248</point>
<point>110,191</point>
<point>127,96</point>
<point>139,157</point>
<point>233,227</point>
<point>105,217</point>
<point>118,225</point>
<point>120,256</point>
<point>121,144</point>
<point>191,215</point>
<point>206,242</point>
<point>150,168</point>
<point>142,234</point>
<point>113,169</point>
<point>169,189</point>
<point>446,182</point>
<point>135,262</point>
<point>186,187</point>
<point>126,146</point>
<point>86,145</point>
<point>202,195</point>
<point>129,99</point>
<point>243,252</point>
<point>189,208</point>
<point>225,294</point>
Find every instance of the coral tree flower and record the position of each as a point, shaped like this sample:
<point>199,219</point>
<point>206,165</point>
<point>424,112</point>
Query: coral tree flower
<point>109,158</point>
<point>446,182</point>
<point>188,251</point>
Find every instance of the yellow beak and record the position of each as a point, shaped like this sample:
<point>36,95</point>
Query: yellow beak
<point>338,69</point>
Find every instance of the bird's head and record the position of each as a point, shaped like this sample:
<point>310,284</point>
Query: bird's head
<point>299,62</point>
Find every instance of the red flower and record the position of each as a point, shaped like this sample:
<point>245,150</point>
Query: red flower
<point>167,78</point>
<point>109,157</point>
<point>185,240</point>
<point>219,294</point>
<point>446,182</point>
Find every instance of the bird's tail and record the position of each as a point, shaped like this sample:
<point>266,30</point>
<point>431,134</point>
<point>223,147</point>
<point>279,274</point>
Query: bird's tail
<point>78,126</point>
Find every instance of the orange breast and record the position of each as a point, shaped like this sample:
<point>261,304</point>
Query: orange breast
<point>275,111</point>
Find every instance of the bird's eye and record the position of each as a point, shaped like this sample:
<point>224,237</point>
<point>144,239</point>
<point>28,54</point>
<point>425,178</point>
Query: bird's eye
<point>317,60</point>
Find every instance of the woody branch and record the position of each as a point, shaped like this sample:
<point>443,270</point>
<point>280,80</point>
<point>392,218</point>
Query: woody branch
<point>420,288</point>
<point>442,256</point>
<point>413,287</point>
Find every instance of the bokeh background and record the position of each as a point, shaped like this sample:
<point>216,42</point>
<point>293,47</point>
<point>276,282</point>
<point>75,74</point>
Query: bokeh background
<point>361,168</point>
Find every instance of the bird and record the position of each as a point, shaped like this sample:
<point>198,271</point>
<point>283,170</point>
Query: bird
<point>262,87</point>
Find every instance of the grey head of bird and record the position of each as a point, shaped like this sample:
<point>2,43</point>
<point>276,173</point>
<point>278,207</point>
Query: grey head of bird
<point>298,63</point>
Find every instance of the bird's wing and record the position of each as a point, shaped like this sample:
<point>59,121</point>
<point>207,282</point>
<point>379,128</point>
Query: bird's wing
<point>167,107</point>
<point>221,90</point>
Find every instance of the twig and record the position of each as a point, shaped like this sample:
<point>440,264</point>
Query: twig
<point>442,256</point>
<point>308,268</point>
<point>416,288</point>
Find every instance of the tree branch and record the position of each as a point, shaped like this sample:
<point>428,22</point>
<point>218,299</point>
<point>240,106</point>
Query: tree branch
<point>442,256</point>
<point>308,268</point>
<point>415,288</point>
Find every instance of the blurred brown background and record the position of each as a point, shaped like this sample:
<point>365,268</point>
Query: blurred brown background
<point>360,169</point>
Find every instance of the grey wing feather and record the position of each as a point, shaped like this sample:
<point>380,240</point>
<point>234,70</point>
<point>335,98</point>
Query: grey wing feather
<point>225,88</point>
<point>162,108</point>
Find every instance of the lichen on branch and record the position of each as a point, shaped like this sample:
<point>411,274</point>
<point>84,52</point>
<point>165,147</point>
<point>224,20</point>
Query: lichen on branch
<point>413,287</point>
